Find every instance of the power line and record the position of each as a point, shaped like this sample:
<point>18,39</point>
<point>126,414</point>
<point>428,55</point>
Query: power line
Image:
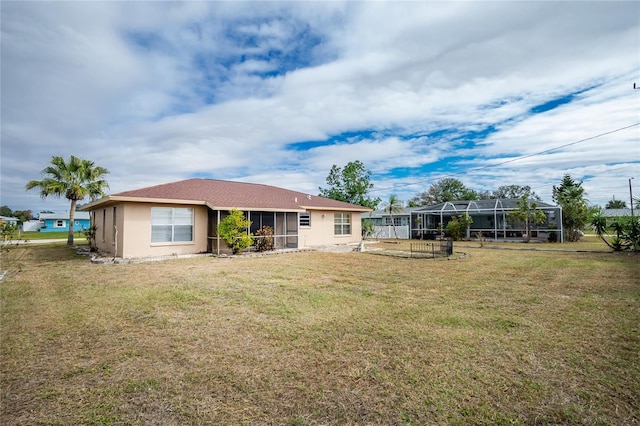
<point>517,158</point>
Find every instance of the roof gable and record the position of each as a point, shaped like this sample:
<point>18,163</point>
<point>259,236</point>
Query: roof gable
<point>221,194</point>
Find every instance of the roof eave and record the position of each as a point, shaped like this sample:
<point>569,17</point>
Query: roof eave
<point>111,199</point>
<point>348,209</point>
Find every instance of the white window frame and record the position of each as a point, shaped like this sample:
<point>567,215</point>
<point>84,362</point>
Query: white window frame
<point>168,222</point>
<point>342,223</point>
<point>59,223</point>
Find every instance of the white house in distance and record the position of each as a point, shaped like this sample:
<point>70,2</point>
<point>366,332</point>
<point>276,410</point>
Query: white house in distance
<point>182,218</point>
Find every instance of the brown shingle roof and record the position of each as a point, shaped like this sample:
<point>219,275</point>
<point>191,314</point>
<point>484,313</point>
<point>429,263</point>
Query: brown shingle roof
<point>221,194</point>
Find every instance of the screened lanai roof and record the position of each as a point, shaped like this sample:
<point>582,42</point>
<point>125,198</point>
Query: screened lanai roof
<point>471,206</point>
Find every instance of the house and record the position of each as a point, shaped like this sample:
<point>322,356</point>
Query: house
<point>611,214</point>
<point>9,220</point>
<point>490,219</point>
<point>59,222</point>
<point>384,218</point>
<point>182,218</point>
<point>387,225</point>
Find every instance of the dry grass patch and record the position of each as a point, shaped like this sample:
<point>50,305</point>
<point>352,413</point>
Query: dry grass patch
<point>501,337</point>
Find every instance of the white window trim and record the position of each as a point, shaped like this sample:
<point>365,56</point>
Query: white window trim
<point>342,224</point>
<point>172,242</point>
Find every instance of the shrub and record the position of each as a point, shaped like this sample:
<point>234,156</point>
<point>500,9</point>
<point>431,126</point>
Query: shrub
<point>626,231</point>
<point>90,234</point>
<point>264,239</point>
<point>457,227</point>
<point>7,231</point>
<point>233,230</point>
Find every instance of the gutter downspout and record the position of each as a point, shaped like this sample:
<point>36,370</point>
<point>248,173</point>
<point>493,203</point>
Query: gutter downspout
<point>218,235</point>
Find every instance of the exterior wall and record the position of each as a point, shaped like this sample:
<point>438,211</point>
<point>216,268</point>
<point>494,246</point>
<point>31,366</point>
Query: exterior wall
<point>321,231</point>
<point>131,236</point>
<point>124,230</point>
<point>103,219</point>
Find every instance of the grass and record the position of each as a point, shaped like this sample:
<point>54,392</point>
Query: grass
<point>498,337</point>
<point>35,235</point>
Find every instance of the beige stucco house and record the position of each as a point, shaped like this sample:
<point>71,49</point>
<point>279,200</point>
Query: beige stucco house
<point>182,218</point>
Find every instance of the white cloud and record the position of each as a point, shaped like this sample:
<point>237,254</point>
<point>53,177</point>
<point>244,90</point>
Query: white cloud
<point>162,91</point>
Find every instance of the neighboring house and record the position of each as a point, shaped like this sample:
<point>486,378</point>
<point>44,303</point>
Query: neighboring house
<point>182,218</point>
<point>387,225</point>
<point>490,218</point>
<point>10,220</point>
<point>611,214</point>
<point>383,218</point>
<point>59,222</point>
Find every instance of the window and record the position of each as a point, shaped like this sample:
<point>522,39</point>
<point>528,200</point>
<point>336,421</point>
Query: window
<point>342,223</point>
<point>397,221</point>
<point>171,224</point>
<point>305,219</point>
<point>59,224</point>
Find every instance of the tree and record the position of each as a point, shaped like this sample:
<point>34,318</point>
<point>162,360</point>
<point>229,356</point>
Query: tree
<point>23,215</point>
<point>616,204</point>
<point>6,211</point>
<point>75,180</point>
<point>515,192</point>
<point>528,214</point>
<point>367,228</point>
<point>233,230</point>
<point>447,189</point>
<point>391,206</point>
<point>575,210</point>
<point>351,185</point>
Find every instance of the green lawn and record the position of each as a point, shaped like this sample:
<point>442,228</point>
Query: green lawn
<point>34,235</point>
<point>495,337</point>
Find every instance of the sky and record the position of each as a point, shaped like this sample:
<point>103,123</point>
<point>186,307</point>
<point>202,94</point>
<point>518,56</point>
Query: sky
<point>490,93</point>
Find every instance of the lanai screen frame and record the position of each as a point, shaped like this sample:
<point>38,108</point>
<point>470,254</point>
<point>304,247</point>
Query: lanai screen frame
<point>449,209</point>
<point>284,236</point>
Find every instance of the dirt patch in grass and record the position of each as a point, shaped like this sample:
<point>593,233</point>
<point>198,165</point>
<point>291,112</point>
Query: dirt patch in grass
<point>517,337</point>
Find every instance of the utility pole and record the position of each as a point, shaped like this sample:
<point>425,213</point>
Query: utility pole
<point>631,196</point>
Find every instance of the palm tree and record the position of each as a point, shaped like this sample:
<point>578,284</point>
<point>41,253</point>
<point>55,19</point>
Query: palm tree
<point>75,179</point>
<point>391,206</point>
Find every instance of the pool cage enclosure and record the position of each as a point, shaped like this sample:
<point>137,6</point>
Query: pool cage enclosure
<point>490,220</point>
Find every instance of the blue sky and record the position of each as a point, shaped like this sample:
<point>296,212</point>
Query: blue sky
<point>278,92</point>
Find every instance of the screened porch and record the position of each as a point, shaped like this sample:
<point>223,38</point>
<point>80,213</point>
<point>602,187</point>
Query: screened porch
<point>284,224</point>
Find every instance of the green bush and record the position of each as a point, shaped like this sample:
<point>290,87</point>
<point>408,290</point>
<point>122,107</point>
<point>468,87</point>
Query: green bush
<point>626,231</point>
<point>457,227</point>
<point>233,230</point>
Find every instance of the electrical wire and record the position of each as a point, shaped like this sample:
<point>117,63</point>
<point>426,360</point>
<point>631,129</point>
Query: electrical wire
<point>514,159</point>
